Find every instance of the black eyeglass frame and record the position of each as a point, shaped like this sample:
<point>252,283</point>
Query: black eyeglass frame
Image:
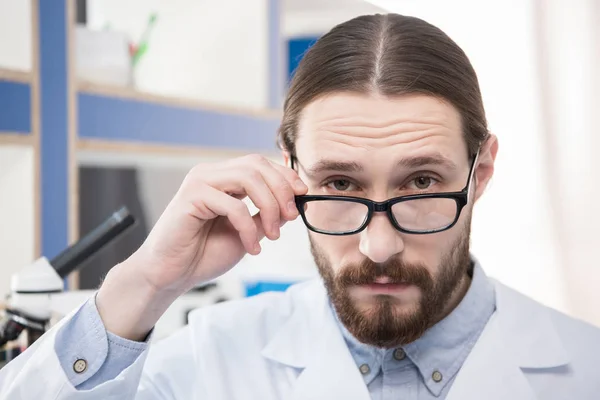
<point>461,198</point>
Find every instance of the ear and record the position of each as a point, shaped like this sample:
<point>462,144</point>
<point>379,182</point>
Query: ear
<point>485,166</point>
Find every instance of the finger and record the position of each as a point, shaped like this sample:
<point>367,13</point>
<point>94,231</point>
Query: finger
<point>245,179</point>
<point>260,231</point>
<point>279,188</point>
<point>292,177</point>
<point>249,176</point>
<point>264,198</point>
<point>235,211</point>
<point>282,189</point>
<point>259,226</point>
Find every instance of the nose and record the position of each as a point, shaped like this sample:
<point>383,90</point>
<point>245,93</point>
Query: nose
<point>380,240</point>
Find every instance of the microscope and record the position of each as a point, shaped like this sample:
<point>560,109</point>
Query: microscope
<point>37,291</point>
<point>29,308</point>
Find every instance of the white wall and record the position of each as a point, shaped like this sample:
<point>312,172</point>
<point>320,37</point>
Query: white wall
<point>16,162</point>
<point>208,50</point>
<point>512,235</point>
<point>16,212</point>
<point>570,35</point>
<point>15,34</point>
<point>315,17</point>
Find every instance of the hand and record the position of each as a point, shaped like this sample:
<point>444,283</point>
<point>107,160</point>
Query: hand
<point>204,231</point>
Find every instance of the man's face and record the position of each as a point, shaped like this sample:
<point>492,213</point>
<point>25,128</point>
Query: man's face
<point>388,287</point>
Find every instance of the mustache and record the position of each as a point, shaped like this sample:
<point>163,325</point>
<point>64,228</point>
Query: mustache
<point>395,270</point>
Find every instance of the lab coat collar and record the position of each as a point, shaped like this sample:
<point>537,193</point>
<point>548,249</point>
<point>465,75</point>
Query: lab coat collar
<point>311,340</point>
<point>519,335</point>
<point>528,330</point>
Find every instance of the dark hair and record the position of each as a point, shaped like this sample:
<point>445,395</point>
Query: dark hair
<point>392,55</point>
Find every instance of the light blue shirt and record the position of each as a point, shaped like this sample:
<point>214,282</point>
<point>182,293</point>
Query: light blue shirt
<point>443,348</point>
<point>426,368</point>
<point>85,338</point>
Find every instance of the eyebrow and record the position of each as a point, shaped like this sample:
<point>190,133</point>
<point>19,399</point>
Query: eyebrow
<point>337,166</point>
<point>421,161</point>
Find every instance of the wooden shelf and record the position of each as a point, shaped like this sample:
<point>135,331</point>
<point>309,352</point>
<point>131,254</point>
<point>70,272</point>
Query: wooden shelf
<point>132,94</point>
<point>15,75</point>
<point>118,146</point>
<point>106,152</point>
<point>19,139</point>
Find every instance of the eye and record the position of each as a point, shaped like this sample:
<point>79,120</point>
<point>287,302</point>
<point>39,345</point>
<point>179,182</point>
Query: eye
<point>422,182</point>
<point>341,185</point>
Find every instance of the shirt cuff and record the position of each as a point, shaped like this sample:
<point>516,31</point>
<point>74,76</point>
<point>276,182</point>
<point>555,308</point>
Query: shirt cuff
<point>88,354</point>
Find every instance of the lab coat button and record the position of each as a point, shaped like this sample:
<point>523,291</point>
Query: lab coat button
<point>399,354</point>
<point>364,369</point>
<point>80,366</point>
<point>437,376</point>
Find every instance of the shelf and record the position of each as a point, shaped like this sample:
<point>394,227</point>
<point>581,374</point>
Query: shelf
<point>140,154</point>
<point>119,146</point>
<point>15,75</point>
<point>15,106</point>
<point>121,115</point>
<point>132,94</point>
<point>19,139</point>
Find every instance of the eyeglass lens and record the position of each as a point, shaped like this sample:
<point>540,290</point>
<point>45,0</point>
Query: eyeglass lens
<point>419,215</point>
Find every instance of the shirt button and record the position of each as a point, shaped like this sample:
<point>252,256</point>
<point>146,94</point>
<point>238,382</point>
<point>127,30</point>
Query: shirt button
<point>437,376</point>
<point>399,354</point>
<point>80,366</point>
<point>364,369</point>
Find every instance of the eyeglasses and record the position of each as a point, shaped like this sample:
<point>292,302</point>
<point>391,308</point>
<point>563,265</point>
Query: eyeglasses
<point>414,214</point>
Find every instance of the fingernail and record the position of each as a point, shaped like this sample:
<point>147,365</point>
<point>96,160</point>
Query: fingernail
<point>275,229</point>
<point>256,247</point>
<point>292,208</point>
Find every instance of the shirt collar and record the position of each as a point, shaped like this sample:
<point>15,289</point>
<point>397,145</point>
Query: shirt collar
<point>442,349</point>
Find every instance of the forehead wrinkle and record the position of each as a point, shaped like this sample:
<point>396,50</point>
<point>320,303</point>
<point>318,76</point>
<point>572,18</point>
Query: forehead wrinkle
<point>365,123</point>
<point>390,133</point>
<point>368,143</point>
<point>431,118</point>
<point>415,128</point>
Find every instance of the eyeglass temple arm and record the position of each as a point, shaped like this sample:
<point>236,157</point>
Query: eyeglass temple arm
<point>472,171</point>
<point>293,162</point>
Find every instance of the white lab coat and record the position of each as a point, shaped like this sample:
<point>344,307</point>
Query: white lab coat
<point>288,346</point>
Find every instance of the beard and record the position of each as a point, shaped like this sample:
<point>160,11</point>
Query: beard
<point>384,324</point>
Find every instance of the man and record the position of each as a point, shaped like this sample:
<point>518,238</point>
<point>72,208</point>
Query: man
<point>387,150</point>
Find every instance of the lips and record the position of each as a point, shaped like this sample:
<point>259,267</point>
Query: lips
<point>382,280</point>
<point>386,288</point>
<point>385,280</point>
<point>385,284</point>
